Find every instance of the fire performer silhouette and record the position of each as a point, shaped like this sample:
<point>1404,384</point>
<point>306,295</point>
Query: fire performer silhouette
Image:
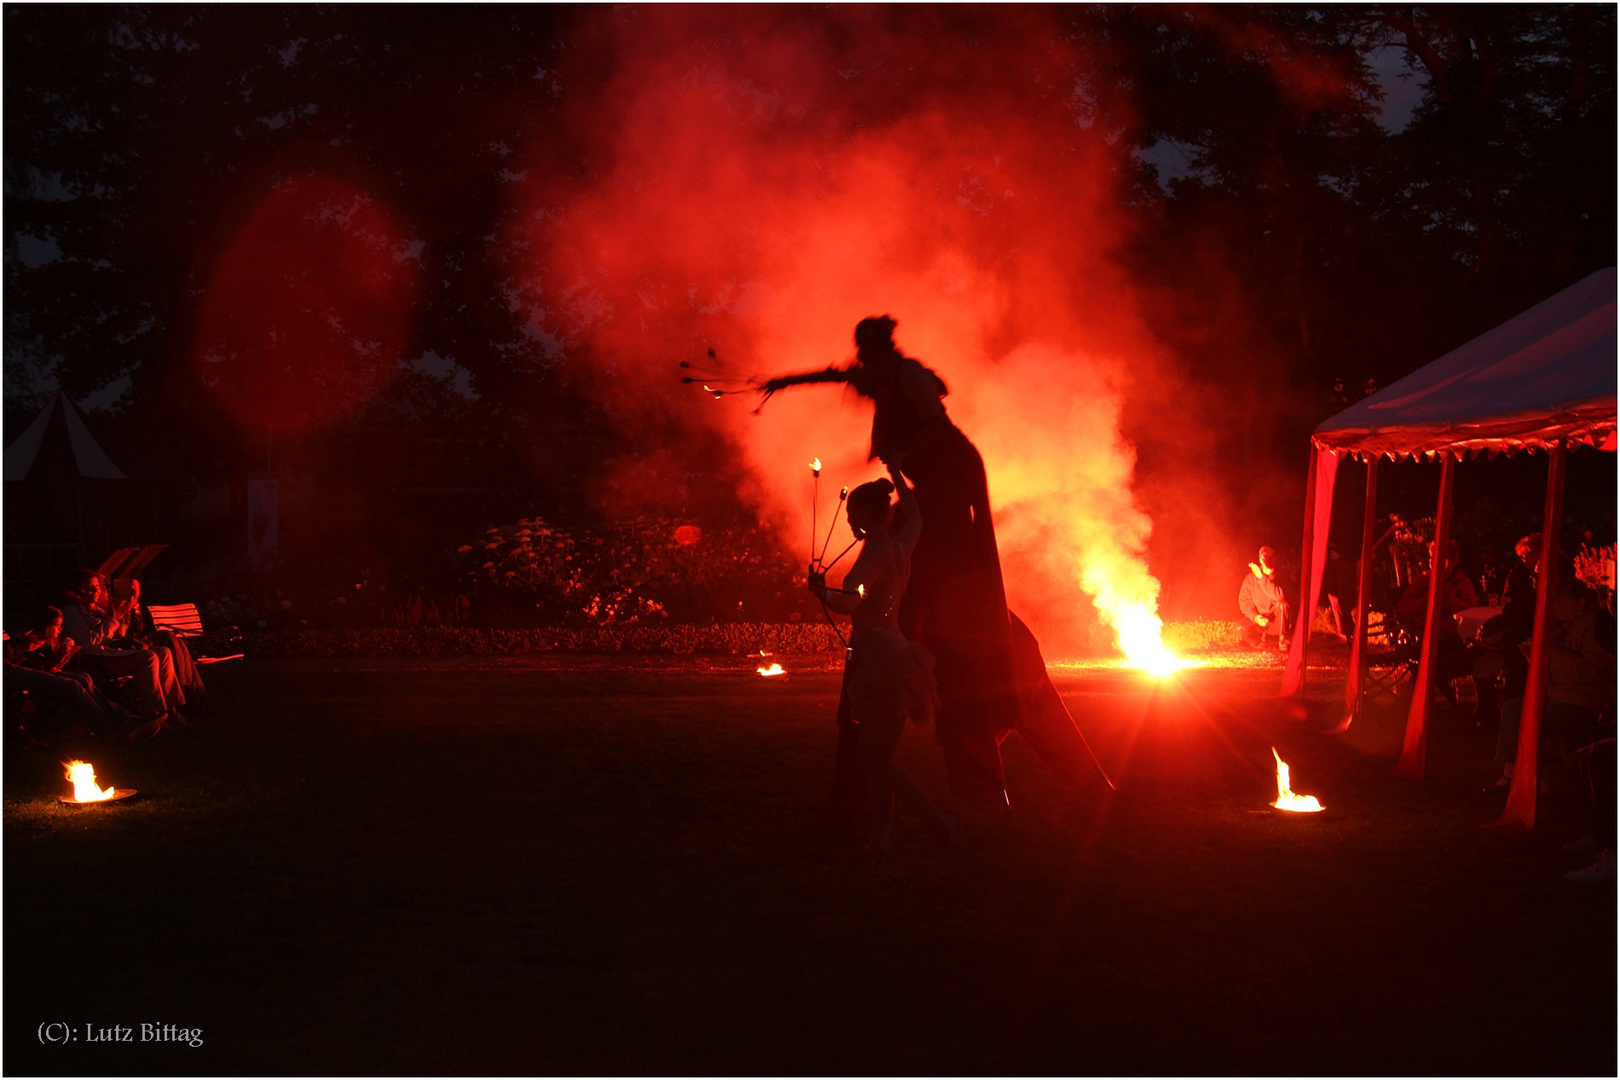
<point>992,679</point>
<point>888,678</point>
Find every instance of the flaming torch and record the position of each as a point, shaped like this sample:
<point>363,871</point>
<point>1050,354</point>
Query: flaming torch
<point>1286,799</point>
<point>85,788</point>
<point>815,497</point>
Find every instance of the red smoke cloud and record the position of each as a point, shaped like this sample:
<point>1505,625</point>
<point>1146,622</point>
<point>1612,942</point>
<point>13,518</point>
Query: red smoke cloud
<point>758,181</point>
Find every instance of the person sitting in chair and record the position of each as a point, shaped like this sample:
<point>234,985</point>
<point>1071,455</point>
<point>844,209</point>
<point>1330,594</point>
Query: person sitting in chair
<point>1453,658</point>
<point>1260,599</point>
<point>34,664</point>
<point>1456,590</point>
<point>102,628</point>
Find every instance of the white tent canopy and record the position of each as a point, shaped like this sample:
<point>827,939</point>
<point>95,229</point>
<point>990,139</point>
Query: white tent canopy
<point>1543,376</point>
<point>88,456</point>
<point>1544,379</point>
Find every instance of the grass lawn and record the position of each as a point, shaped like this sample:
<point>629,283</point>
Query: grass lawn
<point>576,865</point>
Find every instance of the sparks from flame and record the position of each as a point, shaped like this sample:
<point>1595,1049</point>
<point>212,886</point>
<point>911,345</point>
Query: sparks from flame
<point>83,775</point>
<point>774,669</point>
<point>1286,799</point>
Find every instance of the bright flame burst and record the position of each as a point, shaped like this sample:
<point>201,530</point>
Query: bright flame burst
<point>1286,799</point>
<point>1127,597</point>
<point>1141,635</point>
<point>774,669</point>
<point>815,466</point>
<point>83,775</point>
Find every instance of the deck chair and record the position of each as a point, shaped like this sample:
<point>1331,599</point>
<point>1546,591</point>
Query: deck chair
<point>122,565</point>
<point>184,620</point>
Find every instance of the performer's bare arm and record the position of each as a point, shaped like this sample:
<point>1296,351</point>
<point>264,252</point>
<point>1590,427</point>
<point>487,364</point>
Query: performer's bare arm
<point>910,514</point>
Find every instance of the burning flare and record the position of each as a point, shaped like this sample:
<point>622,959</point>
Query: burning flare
<point>83,775</point>
<point>1286,799</point>
<point>1140,639</point>
<point>1126,596</point>
<point>774,669</point>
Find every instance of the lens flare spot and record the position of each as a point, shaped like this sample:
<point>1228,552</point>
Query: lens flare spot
<point>308,309</point>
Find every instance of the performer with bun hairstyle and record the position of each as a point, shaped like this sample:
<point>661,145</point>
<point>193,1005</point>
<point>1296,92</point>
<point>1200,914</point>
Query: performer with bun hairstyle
<point>888,677</point>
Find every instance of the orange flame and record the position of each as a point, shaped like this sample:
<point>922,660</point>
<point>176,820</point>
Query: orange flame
<point>83,775</point>
<point>774,669</point>
<point>1286,799</point>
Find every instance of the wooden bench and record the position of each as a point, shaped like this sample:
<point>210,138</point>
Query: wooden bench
<point>184,620</point>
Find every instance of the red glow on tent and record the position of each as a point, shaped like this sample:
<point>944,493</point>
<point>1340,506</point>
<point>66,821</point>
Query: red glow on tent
<point>308,308</point>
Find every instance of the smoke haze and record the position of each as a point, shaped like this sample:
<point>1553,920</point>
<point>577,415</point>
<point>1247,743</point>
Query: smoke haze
<point>756,182</point>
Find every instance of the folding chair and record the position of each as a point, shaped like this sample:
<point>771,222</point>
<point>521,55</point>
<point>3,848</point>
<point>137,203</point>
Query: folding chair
<point>1391,659</point>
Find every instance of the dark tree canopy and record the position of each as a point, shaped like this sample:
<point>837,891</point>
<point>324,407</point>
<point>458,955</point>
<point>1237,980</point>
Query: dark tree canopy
<point>1300,250</point>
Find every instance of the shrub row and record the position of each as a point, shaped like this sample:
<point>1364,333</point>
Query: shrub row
<point>714,639</point>
<point>1201,635</point>
<point>733,639</point>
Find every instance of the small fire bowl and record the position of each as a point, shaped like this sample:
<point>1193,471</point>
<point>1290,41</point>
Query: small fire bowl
<point>118,793</point>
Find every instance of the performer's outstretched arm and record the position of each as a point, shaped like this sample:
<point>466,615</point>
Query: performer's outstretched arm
<point>782,382</point>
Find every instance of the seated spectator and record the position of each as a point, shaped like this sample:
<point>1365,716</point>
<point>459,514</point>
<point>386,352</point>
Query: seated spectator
<point>34,659</point>
<point>1453,659</point>
<point>1456,591</point>
<point>1596,764</point>
<point>1261,601</point>
<point>1340,585</point>
<point>100,626</point>
<point>1580,676</point>
<point>40,645</point>
<point>1504,633</point>
<point>172,646</point>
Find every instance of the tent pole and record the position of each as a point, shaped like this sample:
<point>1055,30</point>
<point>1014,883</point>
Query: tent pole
<point>1358,649</point>
<point>1294,674</point>
<point>1313,557</point>
<point>1519,816</point>
<point>1414,748</point>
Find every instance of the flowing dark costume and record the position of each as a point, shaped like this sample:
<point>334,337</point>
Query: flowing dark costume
<point>992,679</point>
